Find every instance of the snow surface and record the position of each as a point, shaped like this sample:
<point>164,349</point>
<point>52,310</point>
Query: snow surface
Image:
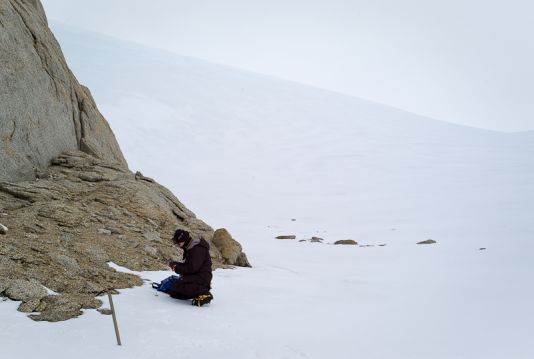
<point>251,153</point>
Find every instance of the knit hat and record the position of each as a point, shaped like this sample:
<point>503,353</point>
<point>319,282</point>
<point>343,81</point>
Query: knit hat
<point>181,236</point>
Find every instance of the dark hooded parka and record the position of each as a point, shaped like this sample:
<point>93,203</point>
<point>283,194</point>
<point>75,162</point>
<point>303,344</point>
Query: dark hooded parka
<point>195,271</point>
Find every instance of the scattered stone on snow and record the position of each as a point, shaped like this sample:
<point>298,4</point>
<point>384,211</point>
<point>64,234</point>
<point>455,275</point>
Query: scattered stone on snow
<point>428,241</point>
<point>286,237</point>
<point>312,240</point>
<point>346,242</point>
<point>382,245</point>
<point>482,249</point>
<point>105,311</point>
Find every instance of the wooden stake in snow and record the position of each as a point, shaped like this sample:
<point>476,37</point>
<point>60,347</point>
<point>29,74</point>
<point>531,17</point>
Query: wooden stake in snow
<point>114,318</point>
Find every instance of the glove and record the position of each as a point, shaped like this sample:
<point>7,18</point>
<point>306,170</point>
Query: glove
<point>172,265</point>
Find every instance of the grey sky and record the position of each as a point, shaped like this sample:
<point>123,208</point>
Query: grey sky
<point>467,61</point>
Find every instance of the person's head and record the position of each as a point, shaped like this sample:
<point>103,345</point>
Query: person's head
<point>181,238</point>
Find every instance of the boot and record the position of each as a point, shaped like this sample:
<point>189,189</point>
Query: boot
<point>202,299</point>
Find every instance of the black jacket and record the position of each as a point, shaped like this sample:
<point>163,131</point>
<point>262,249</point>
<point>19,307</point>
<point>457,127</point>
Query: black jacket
<point>197,265</point>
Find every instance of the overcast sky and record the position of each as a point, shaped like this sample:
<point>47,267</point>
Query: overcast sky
<point>462,61</point>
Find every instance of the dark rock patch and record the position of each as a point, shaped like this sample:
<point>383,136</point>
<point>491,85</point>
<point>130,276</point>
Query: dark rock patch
<point>346,242</point>
<point>105,311</point>
<point>428,241</point>
<point>286,237</point>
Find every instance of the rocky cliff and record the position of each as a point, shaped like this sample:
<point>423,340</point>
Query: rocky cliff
<point>68,203</point>
<point>44,110</point>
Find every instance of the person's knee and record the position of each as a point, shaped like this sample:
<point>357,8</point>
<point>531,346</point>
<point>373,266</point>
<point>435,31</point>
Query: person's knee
<point>183,291</point>
<point>178,295</point>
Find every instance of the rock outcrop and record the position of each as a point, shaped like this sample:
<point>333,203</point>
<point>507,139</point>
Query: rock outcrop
<point>68,203</point>
<point>44,111</point>
<point>80,214</point>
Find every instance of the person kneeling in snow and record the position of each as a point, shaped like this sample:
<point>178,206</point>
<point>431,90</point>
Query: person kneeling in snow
<point>195,272</point>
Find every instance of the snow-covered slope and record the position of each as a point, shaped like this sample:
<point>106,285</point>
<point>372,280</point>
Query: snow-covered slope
<point>234,144</point>
<point>264,157</point>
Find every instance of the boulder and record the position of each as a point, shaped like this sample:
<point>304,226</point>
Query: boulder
<point>25,290</point>
<point>346,242</point>
<point>55,308</point>
<point>231,251</point>
<point>105,311</point>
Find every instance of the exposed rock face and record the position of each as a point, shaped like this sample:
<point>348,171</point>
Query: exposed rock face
<point>68,203</point>
<point>44,111</point>
<point>81,213</point>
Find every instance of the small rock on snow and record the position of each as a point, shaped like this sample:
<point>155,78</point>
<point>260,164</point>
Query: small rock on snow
<point>287,237</point>
<point>104,311</point>
<point>428,241</point>
<point>346,242</point>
